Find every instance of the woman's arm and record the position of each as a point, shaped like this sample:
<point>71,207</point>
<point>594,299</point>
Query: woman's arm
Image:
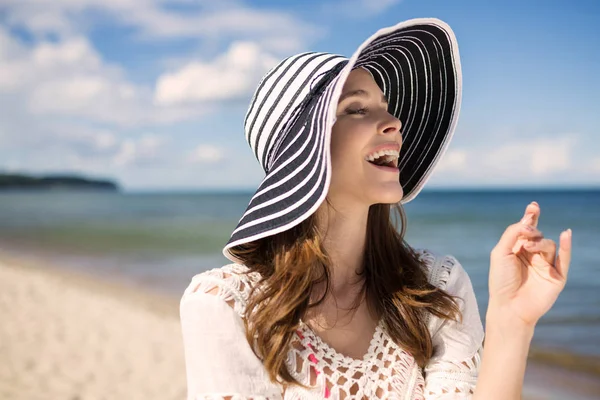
<point>504,358</point>
<point>525,280</point>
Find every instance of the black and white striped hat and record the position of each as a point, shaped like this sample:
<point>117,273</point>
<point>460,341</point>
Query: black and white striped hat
<point>288,125</point>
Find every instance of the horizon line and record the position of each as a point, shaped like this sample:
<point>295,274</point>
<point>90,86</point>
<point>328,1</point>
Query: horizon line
<point>433,189</point>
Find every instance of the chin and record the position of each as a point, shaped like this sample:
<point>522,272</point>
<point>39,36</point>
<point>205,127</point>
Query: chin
<point>391,200</point>
<point>388,196</point>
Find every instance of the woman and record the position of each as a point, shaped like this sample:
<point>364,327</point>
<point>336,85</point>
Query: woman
<point>325,299</point>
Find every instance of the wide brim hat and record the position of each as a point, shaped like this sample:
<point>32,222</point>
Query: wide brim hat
<point>289,122</point>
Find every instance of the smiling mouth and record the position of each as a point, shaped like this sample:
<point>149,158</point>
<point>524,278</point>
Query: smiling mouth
<point>390,161</point>
<point>388,167</point>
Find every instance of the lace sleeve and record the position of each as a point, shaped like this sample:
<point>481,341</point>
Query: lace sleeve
<point>452,371</point>
<point>220,364</point>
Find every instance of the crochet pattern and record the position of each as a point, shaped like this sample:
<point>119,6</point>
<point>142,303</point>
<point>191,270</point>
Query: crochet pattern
<point>386,371</point>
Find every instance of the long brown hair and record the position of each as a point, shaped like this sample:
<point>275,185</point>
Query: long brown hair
<point>292,262</point>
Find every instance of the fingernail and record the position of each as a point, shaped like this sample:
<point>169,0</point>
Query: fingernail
<point>569,232</point>
<point>535,203</point>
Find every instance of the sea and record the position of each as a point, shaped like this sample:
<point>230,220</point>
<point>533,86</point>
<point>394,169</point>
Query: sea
<point>159,240</point>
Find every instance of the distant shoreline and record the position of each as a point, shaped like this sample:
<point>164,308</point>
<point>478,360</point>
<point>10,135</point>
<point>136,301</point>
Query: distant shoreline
<point>25,182</point>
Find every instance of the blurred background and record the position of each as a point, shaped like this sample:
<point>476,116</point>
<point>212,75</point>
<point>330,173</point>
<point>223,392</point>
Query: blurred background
<point>124,168</point>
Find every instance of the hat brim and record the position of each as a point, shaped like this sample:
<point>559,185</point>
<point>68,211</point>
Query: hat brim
<point>417,65</point>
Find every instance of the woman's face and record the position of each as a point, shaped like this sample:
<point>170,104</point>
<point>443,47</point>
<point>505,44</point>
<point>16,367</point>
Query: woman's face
<point>362,132</point>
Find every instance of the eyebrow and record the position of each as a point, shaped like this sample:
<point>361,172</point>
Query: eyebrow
<point>360,93</point>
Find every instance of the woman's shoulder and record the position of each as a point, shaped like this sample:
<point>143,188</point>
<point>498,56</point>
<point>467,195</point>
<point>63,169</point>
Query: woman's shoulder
<point>446,273</point>
<point>232,283</point>
<point>440,269</point>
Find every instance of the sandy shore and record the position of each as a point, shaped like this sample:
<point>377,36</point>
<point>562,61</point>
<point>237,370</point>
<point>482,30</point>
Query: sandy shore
<point>547,382</point>
<point>68,337</point>
<point>71,337</point>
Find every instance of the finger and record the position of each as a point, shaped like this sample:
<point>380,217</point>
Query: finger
<point>544,247</point>
<point>531,217</point>
<point>528,232</point>
<point>510,236</point>
<point>527,235</point>
<point>532,214</point>
<point>518,245</point>
<point>564,253</point>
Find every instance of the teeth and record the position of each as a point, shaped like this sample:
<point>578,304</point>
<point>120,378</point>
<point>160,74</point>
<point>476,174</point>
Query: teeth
<point>376,155</point>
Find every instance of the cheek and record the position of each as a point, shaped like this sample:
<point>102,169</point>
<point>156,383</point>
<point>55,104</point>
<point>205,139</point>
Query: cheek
<point>337,150</point>
<point>340,153</point>
<point>347,147</point>
<point>348,142</point>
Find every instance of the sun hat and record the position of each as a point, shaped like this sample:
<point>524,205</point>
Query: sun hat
<point>288,124</point>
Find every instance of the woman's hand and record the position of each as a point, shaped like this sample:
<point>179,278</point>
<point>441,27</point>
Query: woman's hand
<point>526,276</point>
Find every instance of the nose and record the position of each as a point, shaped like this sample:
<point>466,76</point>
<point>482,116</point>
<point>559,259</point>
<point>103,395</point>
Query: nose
<point>390,125</point>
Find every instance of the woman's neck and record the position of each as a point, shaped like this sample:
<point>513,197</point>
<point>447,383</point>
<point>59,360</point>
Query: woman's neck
<point>344,235</point>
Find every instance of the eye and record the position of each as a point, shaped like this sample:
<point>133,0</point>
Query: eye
<point>360,111</point>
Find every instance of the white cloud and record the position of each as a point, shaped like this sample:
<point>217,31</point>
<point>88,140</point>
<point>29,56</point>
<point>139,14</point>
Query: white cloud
<point>594,165</point>
<point>453,160</point>
<point>205,154</point>
<point>230,76</point>
<point>24,66</point>
<point>375,6</point>
<point>39,17</point>
<point>64,146</point>
<point>64,107</point>
<point>145,150</point>
<point>524,161</point>
<point>75,52</point>
<point>69,78</point>
<point>358,8</point>
<point>66,76</point>
<point>537,157</point>
<point>238,21</point>
<point>84,142</point>
<point>154,19</point>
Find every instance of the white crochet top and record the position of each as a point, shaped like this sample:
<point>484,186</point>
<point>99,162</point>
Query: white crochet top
<point>220,363</point>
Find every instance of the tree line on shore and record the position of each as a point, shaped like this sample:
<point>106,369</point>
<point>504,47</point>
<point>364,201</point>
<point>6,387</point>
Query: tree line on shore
<point>54,182</point>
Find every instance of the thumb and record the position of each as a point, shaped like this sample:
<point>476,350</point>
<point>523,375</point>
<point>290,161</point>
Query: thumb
<point>564,254</point>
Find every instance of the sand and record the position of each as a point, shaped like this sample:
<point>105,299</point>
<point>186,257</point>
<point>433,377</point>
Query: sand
<point>69,336</point>
<point>66,337</point>
<point>548,382</point>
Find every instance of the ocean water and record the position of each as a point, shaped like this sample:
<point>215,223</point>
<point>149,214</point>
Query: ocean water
<point>160,240</point>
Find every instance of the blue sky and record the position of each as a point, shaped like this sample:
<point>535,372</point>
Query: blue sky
<point>152,93</point>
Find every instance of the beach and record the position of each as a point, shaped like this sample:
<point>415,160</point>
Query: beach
<point>67,335</point>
